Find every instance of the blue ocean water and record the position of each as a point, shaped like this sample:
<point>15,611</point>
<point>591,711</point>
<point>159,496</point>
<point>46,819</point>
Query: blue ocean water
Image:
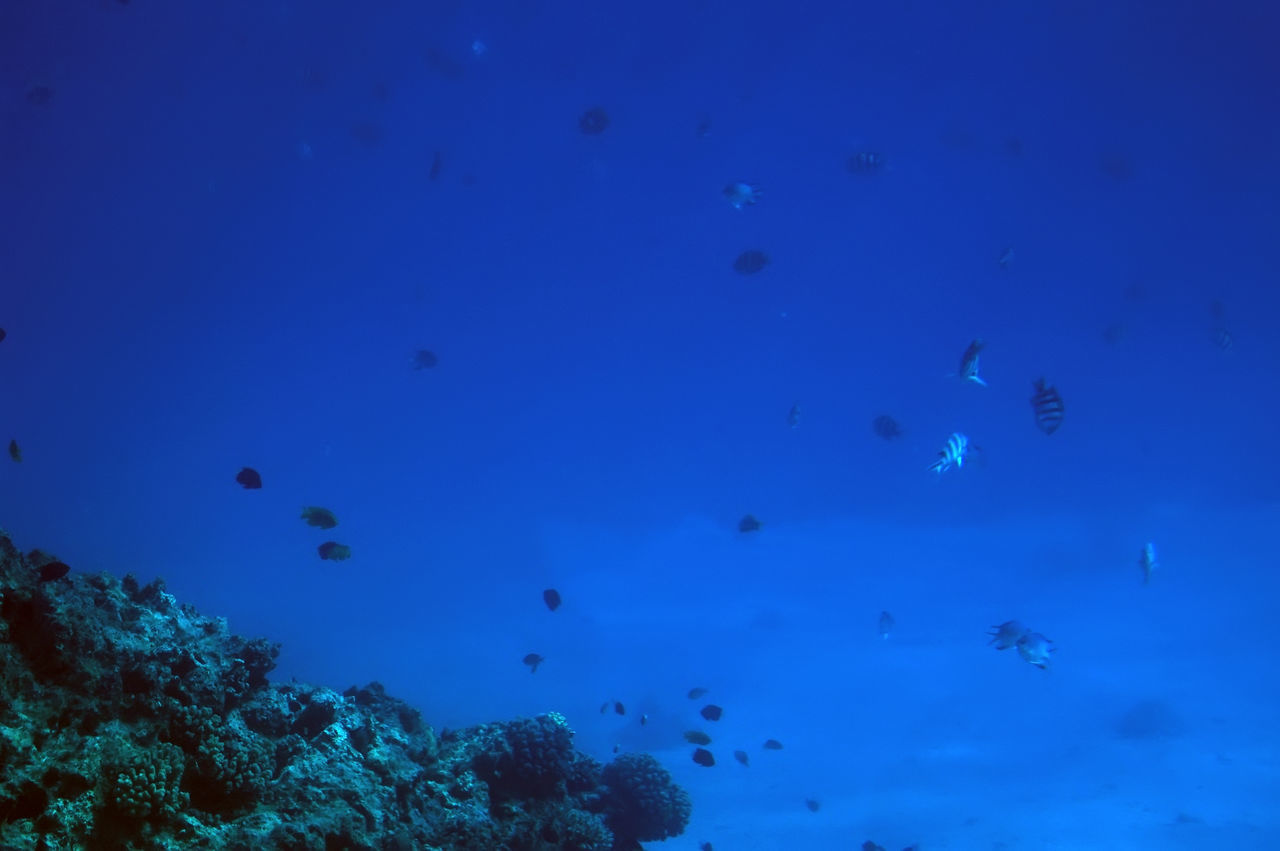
<point>228,228</point>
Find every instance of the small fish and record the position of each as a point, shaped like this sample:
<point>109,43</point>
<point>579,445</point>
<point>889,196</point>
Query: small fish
<point>1147,561</point>
<point>322,518</point>
<point>886,427</point>
<point>969,363</point>
<point>2,335</point>
<point>552,598</point>
<point>865,162</point>
<point>750,262</point>
<point>594,121</point>
<point>437,162</point>
<point>644,719</point>
<point>813,804</point>
<point>54,570</point>
<point>617,748</point>
<point>14,451</point>
<point>740,195</point>
<point>697,737</point>
<point>1007,634</point>
<point>749,523</point>
<point>886,625</point>
<point>1223,340</point>
<point>1006,259</point>
<point>696,692</point>
<point>772,745</point>
<point>333,551</point>
<point>1034,649</point>
<point>952,455</point>
<point>604,707</point>
<point>704,846</point>
<point>711,712</point>
<point>249,479</point>
<point>618,708</point>
<point>703,757</point>
<point>793,416</point>
<point>533,660</point>
<point>424,359</point>
<point>1047,405</point>
<point>741,756</point>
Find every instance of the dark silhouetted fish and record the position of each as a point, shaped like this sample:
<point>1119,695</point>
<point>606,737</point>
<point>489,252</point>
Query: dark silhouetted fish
<point>886,427</point>
<point>969,363</point>
<point>3,334</point>
<point>39,95</point>
<point>533,660</point>
<point>703,757</point>
<point>749,523</point>
<point>793,416</point>
<point>813,804</point>
<point>424,359</point>
<point>697,737</point>
<point>1047,405</point>
<point>865,162</point>
<point>696,692</point>
<point>319,517</point>
<point>619,708</point>
<point>249,479</point>
<point>886,625</point>
<point>333,551</point>
<point>552,598</point>
<point>705,846</point>
<point>436,164</point>
<point>741,756</point>
<point>750,262</point>
<point>711,712</point>
<point>594,121</point>
<point>1007,634</point>
<point>53,570</point>
<point>14,451</point>
<point>772,745</point>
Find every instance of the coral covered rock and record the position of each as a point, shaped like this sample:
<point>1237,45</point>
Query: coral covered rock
<point>128,721</point>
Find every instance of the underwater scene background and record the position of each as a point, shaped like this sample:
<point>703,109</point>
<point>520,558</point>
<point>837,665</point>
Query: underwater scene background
<point>474,277</point>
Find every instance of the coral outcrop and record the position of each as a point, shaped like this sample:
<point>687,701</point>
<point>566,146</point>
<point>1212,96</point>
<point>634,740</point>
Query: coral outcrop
<point>131,722</point>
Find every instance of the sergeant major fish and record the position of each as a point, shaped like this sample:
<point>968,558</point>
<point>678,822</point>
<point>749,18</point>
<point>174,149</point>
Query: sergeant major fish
<point>1034,649</point>
<point>952,455</point>
<point>969,363</point>
<point>1047,405</point>
<point>1147,561</point>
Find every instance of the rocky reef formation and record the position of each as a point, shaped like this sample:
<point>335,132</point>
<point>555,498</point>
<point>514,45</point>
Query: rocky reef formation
<point>129,721</point>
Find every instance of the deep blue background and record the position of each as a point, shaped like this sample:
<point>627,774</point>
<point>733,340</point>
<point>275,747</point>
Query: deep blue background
<point>221,246</point>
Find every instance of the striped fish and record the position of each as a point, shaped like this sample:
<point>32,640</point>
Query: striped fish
<point>1046,402</point>
<point>1147,561</point>
<point>1223,340</point>
<point>969,363</point>
<point>952,455</point>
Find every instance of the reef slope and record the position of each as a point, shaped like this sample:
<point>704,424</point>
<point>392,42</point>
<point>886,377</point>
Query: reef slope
<point>129,721</point>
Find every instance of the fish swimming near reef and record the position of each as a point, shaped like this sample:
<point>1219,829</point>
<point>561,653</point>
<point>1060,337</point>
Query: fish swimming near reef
<point>886,427</point>
<point>741,194</point>
<point>749,523</point>
<point>952,455</point>
<point>1034,649</point>
<point>52,571</point>
<point>1046,404</point>
<point>742,757</point>
<point>703,757</point>
<point>696,692</point>
<point>1148,562</point>
<point>750,262</point>
<point>885,626</point>
<point>697,737</point>
<point>533,660</point>
<point>969,363</point>
<point>15,452</point>
<point>552,598</point>
<point>772,745</point>
<point>249,479</point>
<point>319,517</point>
<point>333,551</point>
<point>711,712</point>
<point>1007,634</point>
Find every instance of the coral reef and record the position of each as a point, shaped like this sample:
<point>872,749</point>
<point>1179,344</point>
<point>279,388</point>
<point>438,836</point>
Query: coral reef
<point>130,722</point>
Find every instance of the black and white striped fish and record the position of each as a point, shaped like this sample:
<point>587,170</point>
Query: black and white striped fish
<point>952,455</point>
<point>1046,402</point>
<point>969,363</point>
